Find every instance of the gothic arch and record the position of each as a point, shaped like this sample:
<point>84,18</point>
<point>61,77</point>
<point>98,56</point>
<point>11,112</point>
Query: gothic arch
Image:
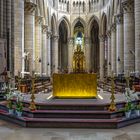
<point>93,18</point>
<point>53,25</point>
<point>94,39</point>
<point>103,25</point>
<point>63,45</point>
<point>67,24</point>
<point>75,22</point>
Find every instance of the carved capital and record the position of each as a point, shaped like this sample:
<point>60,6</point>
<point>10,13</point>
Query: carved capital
<point>44,28</point>
<point>55,37</point>
<point>119,18</point>
<point>109,33</point>
<point>30,8</point>
<point>113,27</point>
<point>87,40</point>
<point>102,38</point>
<point>71,41</point>
<point>49,34</point>
<point>128,6</point>
<point>38,20</point>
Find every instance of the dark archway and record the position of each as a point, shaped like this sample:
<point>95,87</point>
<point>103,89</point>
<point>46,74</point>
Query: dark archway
<point>63,46</point>
<point>94,33</point>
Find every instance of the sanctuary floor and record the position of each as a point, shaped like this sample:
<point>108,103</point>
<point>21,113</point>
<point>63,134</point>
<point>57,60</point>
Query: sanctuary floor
<point>10,131</point>
<point>102,98</point>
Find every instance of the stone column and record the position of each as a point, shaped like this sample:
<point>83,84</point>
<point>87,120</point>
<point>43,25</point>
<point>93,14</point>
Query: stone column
<point>88,54</point>
<point>129,35</point>
<point>29,31</point>
<point>113,48</point>
<point>19,64</point>
<point>137,35</point>
<point>48,53</point>
<point>70,53</point>
<point>109,53</point>
<point>38,44</point>
<point>44,50</point>
<point>102,56</point>
<point>120,43</point>
<point>55,53</point>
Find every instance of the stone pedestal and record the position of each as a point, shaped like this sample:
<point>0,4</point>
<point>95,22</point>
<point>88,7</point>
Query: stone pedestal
<point>129,35</point>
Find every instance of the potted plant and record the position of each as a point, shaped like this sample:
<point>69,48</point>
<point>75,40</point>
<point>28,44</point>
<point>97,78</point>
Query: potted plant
<point>19,105</point>
<point>10,106</point>
<point>19,108</point>
<point>9,98</point>
<point>127,109</point>
<point>137,110</point>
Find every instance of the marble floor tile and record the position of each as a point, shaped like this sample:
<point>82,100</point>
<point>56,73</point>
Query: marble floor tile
<point>10,131</point>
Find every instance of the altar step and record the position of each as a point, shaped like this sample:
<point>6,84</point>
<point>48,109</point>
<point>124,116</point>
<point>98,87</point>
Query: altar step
<point>69,122</point>
<point>68,106</point>
<point>87,114</point>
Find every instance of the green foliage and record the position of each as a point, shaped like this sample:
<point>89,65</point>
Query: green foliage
<point>9,104</point>
<point>19,106</point>
<point>137,107</point>
<point>128,107</point>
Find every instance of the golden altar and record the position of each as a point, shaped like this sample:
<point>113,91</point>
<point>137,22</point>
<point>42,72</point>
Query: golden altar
<point>75,85</point>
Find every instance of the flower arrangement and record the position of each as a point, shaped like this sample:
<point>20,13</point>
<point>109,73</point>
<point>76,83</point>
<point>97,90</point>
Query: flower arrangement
<point>9,98</point>
<point>129,106</point>
<point>137,107</point>
<point>19,104</point>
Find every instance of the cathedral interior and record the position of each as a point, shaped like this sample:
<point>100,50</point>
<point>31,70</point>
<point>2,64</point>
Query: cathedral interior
<point>70,64</point>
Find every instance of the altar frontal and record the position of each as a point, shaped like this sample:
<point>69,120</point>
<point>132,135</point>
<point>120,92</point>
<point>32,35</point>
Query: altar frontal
<point>75,85</point>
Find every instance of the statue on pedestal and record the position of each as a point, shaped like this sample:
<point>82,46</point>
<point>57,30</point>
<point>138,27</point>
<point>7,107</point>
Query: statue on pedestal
<point>78,60</point>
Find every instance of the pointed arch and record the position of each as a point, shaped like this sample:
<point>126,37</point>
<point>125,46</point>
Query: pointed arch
<point>91,20</point>
<point>53,24</point>
<point>75,22</point>
<point>66,21</point>
<point>103,25</point>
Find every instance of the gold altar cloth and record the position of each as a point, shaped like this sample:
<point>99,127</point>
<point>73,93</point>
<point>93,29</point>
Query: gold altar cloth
<point>75,85</point>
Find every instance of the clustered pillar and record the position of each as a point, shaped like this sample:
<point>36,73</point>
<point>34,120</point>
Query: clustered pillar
<point>44,50</point>
<point>113,47</point>
<point>120,45</point>
<point>29,32</point>
<point>109,53</point>
<point>38,44</point>
<point>137,35</point>
<point>102,56</point>
<point>129,35</point>
<point>70,53</point>
<point>87,53</point>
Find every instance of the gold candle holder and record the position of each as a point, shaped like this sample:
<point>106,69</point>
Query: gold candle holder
<point>112,107</point>
<point>32,106</point>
